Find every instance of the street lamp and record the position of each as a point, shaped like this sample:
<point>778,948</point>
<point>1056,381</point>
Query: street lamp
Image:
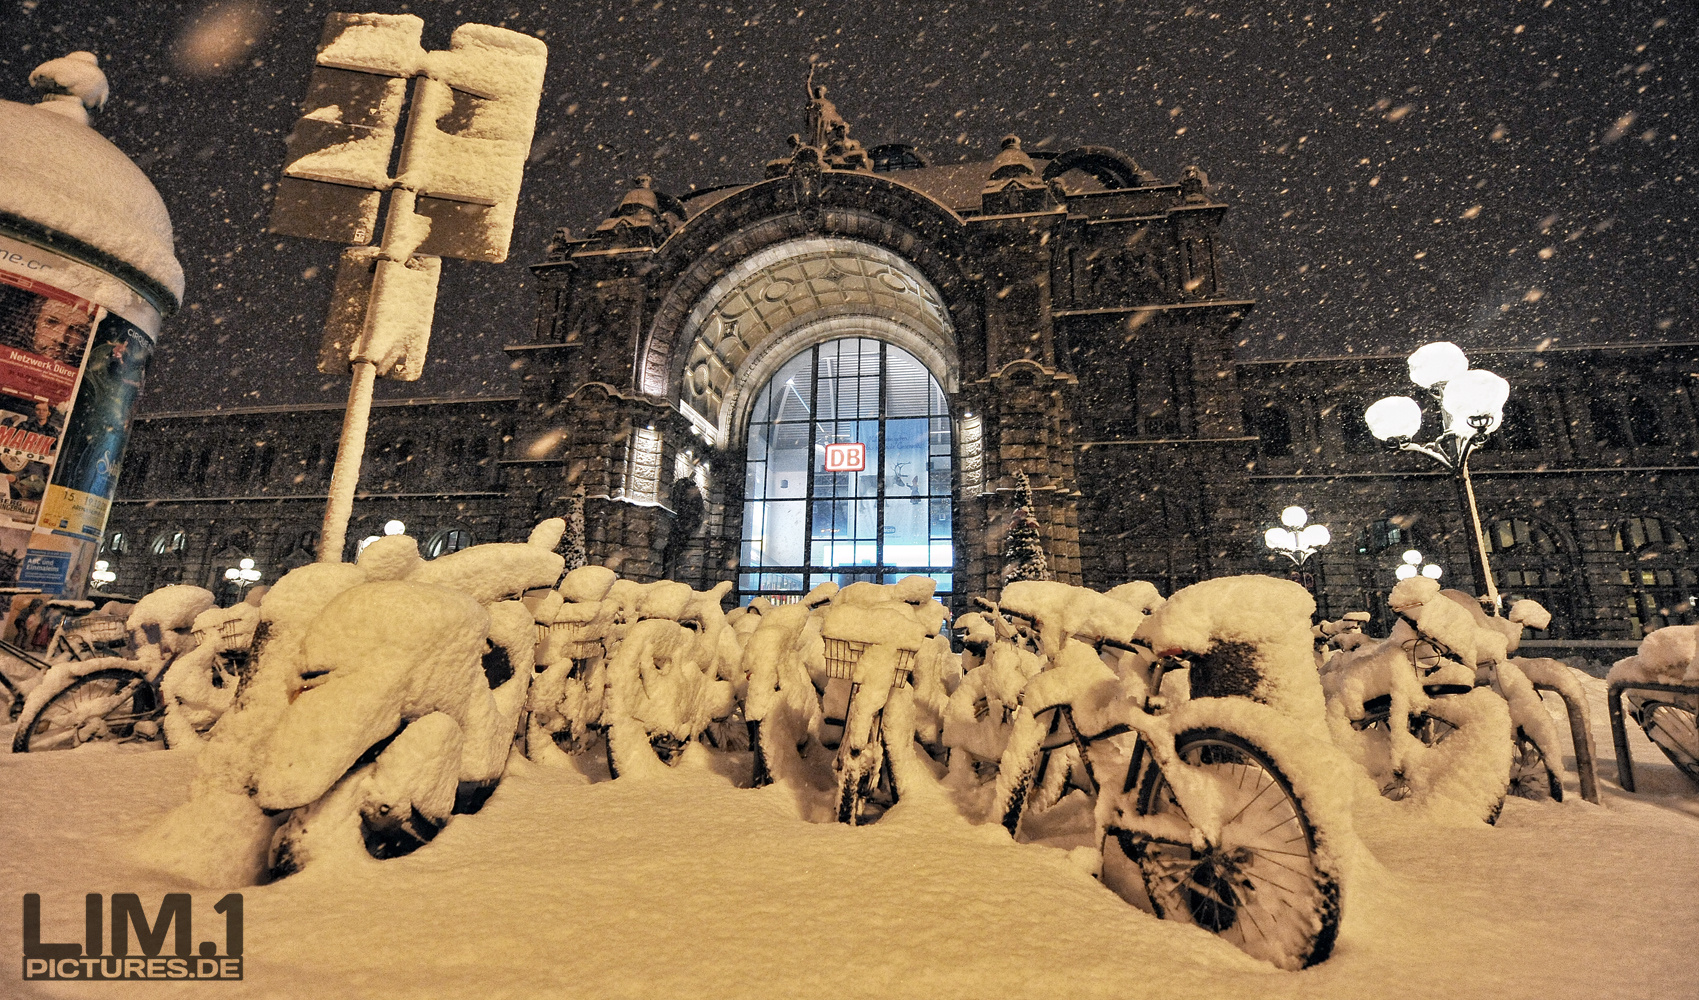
<point>1472,403</point>
<point>102,574</point>
<point>1413,564</point>
<point>243,575</point>
<point>1298,541</point>
<point>1295,541</point>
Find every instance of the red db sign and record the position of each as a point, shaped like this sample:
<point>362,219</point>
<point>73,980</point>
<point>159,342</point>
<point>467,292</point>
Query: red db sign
<point>846,457</point>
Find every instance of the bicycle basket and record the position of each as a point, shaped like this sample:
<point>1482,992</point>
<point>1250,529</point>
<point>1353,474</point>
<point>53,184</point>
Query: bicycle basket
<point>843,654</point>
<point>99,629</point>
<point>571,640</point>
<point>233,628</point>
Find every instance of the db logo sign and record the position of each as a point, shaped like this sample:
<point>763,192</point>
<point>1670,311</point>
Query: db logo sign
<point>846,457</point>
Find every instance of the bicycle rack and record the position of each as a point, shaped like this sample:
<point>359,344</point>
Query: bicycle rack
<point>1619,729</point>
<point>1582,734</point>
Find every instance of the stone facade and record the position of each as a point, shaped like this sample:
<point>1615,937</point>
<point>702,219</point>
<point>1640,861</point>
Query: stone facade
<point>1070,306</point>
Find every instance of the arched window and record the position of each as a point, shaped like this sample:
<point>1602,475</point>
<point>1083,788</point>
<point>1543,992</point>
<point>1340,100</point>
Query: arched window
<point>203,462</point>
<point>169,543</point>
<point>444,542</point>
<point>848,473</point>
<point>1530,563</point>
<point>1516,432</point>
<point>1356,430</point>
<point>1644,422</point>
<point>297,551</point>
<point>264,456</point>
<point>1274,427</point>
<point>1608,428</point>
<point>1660,573</point>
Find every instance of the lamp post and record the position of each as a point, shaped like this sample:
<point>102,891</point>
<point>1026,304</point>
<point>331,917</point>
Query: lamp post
<point>1412,565</point>
<point>1472,404</point>
<point>242,575</point>
<point>1298,541</point>
<point>102,574</point>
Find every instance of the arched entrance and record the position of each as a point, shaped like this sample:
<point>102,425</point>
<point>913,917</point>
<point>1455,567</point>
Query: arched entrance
<point>848,472</point>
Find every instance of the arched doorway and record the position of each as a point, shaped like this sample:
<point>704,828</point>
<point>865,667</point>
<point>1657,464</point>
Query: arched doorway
<point>848,472</point>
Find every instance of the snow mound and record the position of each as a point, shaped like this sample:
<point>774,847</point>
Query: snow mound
<point>1666,656</point>
<point>171,608</point>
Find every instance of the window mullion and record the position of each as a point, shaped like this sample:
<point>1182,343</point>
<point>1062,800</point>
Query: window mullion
<point>808,470</point>
<point>879,481</point>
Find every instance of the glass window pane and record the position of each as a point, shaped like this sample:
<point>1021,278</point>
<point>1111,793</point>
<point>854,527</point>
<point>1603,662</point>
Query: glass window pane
<point>840,390</point>
<point>940,518</point>
<point>908,386</point>
<point>780,538</point>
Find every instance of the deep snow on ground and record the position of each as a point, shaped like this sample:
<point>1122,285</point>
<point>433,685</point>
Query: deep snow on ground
<point>690,886</point>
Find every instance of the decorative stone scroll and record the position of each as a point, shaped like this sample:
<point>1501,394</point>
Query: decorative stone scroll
<point>783,288</point>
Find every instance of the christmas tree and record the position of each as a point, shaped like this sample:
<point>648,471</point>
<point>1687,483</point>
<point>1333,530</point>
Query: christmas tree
<point>1023,551</point>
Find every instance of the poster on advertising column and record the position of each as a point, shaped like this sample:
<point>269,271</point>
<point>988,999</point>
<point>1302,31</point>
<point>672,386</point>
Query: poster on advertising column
<point>43,336</point>
<point>91,448</point>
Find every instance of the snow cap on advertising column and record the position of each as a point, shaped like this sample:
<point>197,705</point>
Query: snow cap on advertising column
<point>69,190</point>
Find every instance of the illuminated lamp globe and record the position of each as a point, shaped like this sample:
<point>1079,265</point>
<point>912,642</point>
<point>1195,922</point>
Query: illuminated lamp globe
<point>1405,571</point>
<point>1314,536</point>
<point>1431,571</point>
<point>393,527</point>
<point>1279,538</point>
<point>1438,362</point>
<point>1394,417</point>
<point>1412,557</point>
<point>246,564</point>
<point>1294,517</point>
<point>1474,394</point>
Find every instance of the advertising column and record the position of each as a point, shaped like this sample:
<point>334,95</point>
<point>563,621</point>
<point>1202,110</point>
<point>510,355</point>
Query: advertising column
<point>71,367</point>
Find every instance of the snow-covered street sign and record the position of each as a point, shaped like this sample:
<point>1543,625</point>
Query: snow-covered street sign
<point>474,107</point>
<point>453,192</point>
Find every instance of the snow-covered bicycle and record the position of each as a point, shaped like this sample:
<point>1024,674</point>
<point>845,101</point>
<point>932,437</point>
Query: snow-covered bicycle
<point>836,674</point>
<point>1660,685</point>
<point>136,677</point>
<point>1441,715</point>
<point>1214,804</point>
<point>680,682</point>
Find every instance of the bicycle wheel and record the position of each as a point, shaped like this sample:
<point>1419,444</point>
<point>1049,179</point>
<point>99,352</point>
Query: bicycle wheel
<point>1262,884</point>
<point>861,779</point>
<point>1673,729</point>
<point>1431,730</point>
<point>105,704</point>
<point>1530,777</point>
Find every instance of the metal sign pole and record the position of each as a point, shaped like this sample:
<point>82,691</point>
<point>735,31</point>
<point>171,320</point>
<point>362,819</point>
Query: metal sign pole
<point>345,476</point>
<point>403,231</point>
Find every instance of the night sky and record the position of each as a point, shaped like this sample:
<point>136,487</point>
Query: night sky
<point>1490,173</point>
